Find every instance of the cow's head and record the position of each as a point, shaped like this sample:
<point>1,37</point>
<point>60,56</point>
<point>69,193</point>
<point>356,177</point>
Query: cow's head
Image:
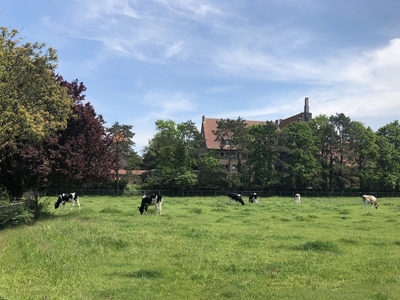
<point>141,209</point>
<point>58,202</point>
<point>376,205</point>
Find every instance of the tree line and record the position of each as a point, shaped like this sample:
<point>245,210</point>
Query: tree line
<point>328,153</point>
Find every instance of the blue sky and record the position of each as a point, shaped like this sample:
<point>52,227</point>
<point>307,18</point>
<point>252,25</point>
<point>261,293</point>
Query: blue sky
<point>144,60</point>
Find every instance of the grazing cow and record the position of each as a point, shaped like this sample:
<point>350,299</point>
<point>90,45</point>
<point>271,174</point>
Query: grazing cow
<point>64,198</point>
<point>236,197</point>
<point>253,198</point>
<point>297,197</point>
<point>148,200</point>
<point>369,199</point>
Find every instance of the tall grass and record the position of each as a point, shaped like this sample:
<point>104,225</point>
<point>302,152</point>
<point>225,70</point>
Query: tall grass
<point>205,248</point>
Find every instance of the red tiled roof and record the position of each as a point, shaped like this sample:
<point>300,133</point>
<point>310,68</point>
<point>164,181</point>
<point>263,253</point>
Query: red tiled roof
<point>209,125</point>
<point>134,172</point>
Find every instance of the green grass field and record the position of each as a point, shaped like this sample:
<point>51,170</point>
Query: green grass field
<point>205,248</point>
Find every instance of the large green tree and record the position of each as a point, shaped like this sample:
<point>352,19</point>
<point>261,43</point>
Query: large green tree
<point>33,105</point>
<point>301,155</point>
<point>364,150</point>
<point>172,152</point>
<point>263,152</point>
<point>388,168</point>
<point>325,140</point>
<point>212,174</point>
<point>340,143</point>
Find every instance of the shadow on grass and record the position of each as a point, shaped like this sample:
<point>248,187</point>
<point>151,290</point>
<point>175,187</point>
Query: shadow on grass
<point>143,274</point>
<point>110,210</point>
<point>318,246</point>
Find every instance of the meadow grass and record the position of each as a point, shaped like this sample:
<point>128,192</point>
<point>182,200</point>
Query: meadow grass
<point>206,248</point>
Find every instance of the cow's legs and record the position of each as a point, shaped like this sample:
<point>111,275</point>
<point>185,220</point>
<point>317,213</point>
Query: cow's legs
<point>77,202</point>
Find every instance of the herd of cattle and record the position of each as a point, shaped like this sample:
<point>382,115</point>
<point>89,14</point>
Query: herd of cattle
<point>157,200</point>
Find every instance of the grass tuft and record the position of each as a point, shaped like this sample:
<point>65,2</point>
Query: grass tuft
<point>319,246</point>
<point>111,210</point>
<point>144,274</point>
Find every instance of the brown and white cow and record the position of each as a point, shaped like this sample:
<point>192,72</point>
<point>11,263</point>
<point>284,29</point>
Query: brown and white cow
<point>369,199</point>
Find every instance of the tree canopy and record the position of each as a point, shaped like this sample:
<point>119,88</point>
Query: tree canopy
<point>33,105</point>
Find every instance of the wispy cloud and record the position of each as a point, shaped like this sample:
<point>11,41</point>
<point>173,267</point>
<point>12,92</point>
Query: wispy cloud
<point>168,104</point>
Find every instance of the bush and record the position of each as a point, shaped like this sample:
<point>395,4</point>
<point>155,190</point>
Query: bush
<point>24,212</point>
<point>15,214</point>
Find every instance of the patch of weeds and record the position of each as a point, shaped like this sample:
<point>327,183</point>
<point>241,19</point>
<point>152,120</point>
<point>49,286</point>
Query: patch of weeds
<point>144,274</point>
<point>107,294</point>
<point>380,243</point>
<point>348,241</point>
<point>108,242</point>
<point>220,209</point>
<point>391,220</point>
<point>286,237</point>
<point>111,210</point>
<point>195,233</point>
<point>271,270</point>
<point>381,296</point>
<point>285,220</point>
<point>196,211</point>
<point>368,214</point>
<point>312,216</point>
<point>232,268</point>
<point>397,243</point>
<point>344,212</point>
<point>318,246</point>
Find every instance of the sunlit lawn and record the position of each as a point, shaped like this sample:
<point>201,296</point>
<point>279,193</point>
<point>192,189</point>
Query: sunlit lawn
<point>205,248</point>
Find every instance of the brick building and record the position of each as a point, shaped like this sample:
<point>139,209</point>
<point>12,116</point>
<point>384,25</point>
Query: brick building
<point>209,125</point>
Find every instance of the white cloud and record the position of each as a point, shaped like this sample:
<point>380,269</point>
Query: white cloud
<point>174,49</point>
<point>168,104</point>
<point>190,7</point>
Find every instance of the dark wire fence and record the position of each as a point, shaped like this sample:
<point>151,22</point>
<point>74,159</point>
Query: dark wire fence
<point>214,193</point>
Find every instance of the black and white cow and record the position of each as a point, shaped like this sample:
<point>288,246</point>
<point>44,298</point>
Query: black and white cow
<point>253,198</point>
<point>297,198</point>
<point>151,199</point>
<point>236,197</point>
<point>64,198</point>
